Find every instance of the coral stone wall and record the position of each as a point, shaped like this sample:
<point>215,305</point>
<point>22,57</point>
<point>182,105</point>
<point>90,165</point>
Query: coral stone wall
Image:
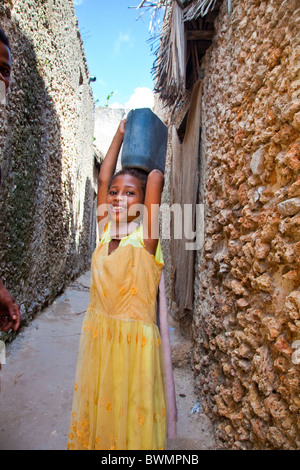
<point>247,304</point>
<point>47,222</point>
<point>107,121</point>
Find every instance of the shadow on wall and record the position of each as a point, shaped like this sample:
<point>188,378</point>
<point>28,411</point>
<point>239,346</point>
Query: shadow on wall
<point>36,218</point>
<point>81,246</point>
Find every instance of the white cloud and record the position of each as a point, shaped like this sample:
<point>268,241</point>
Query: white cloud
<point>116,106</point>
<point>78,2</point>
<point>123,38</point>
<point>141,98</point>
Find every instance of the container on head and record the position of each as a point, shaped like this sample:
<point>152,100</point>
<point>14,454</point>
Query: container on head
<point>145,141</point>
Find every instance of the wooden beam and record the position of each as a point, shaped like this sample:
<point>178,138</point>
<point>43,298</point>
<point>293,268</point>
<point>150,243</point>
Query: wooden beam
<point>205,35</point>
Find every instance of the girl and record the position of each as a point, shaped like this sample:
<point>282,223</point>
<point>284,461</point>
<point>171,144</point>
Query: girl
<point>120,399</point>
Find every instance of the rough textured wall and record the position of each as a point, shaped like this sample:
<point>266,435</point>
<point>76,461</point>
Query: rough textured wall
<point>47,221</point>
<point>248,287</point>
<point>107,121</point>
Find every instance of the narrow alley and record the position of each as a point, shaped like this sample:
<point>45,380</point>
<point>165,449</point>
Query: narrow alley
<point>37,381</point>
<point>225,84</point>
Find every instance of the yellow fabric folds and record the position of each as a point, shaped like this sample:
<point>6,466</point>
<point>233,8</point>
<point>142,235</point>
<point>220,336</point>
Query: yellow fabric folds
<point>135,239</point>
<point>119,393</point>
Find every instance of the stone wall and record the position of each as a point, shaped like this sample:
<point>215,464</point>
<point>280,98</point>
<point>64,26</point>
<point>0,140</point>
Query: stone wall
<point>247,300</point>
<point>107,121</point>
<point>47,205</point>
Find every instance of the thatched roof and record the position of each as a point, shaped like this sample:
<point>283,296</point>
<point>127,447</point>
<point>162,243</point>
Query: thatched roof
<point>187,32</point>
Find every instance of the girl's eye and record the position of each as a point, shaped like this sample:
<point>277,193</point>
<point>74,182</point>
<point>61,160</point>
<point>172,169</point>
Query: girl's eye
<point>112,193</point>
<point>130,193</point>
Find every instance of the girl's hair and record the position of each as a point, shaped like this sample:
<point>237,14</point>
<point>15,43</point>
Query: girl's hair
<point>4,38</point>
<point>138,173</point>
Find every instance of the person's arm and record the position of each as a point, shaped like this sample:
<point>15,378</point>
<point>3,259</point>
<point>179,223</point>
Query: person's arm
<point>10,316</point>
<point>155,184</point>
<point>108,168</point>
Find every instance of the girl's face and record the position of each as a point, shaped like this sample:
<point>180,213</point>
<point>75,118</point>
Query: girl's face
<point>124,192</point>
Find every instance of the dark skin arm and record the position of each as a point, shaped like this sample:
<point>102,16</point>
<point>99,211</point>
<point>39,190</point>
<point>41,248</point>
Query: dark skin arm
<point>10,316</point>
<point>108,168</point>
<point>155,184</point>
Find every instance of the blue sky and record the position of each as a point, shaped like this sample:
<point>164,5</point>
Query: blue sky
<point>117,51</point>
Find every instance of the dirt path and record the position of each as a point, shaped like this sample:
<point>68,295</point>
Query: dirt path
<point>37,381</point>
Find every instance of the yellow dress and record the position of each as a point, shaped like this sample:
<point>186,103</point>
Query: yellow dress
<point>119,398</point>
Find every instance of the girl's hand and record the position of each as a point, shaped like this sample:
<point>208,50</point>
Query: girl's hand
<point>10,316</point>
<point>158,176</point>
<point>121,128</point>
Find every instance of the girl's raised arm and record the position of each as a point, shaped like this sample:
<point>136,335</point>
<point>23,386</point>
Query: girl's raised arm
<point>155,184</point>
<point>108,168</point>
